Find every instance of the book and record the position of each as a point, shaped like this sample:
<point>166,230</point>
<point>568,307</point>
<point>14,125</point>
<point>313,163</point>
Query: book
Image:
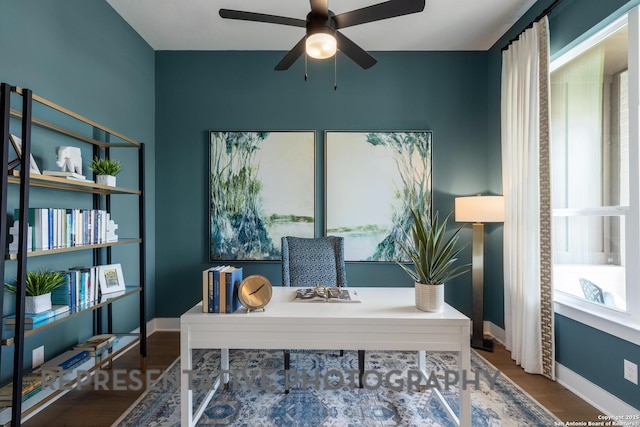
<point>67,360</point>
<point>205,290</point>
<point>232,282</point>
<point>96,342</point>
<point>310,295</point>
<point>8,403</point>
<point>214,306</point>
<point>66,294</point>
<point>65,174</point>
<point>39,317</point>
<point>31,384</point>
<point>224,287</point>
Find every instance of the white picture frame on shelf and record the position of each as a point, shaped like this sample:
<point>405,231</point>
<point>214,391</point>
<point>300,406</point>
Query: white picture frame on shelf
<point>110,278</point>
<point>17,146</point>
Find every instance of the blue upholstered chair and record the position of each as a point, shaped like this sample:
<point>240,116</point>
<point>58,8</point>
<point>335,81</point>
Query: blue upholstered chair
<point>308,262</point>
<point>313,261</point>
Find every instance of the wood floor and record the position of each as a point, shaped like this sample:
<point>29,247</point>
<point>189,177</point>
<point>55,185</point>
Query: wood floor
<point>84,408</point>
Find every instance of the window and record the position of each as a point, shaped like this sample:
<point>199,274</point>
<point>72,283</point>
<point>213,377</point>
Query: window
<point>595,249</point>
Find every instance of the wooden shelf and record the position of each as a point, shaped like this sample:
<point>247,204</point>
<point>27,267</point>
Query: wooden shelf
<point>41,252</point>
<point>67,184</point>
<point>8,330</point>
<point>32,404</point>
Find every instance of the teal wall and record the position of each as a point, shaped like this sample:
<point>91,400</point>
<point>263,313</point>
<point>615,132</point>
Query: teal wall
<point>200,91</point>
<point>81,54</point>
<point>593,354</point>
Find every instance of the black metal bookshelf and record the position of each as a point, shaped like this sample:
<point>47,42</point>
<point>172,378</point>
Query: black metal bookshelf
<point>14,335</point>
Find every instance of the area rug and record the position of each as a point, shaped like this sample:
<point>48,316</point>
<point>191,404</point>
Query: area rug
<point>322,392</point>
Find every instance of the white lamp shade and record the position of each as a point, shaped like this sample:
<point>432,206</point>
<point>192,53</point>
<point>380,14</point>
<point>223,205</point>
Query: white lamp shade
<point>480,209</point>
<point>321,45</point>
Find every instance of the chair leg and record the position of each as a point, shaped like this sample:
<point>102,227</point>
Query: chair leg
<point>361,368</point>
<point>287,364</point>
<point>341,353</point>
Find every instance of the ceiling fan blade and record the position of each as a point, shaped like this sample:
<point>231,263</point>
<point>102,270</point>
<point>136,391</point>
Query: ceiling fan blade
<point>291,56</point>
<point>261,17</point>
<point>320,7</point>
<point>376,12</point>
<point>355,52</point>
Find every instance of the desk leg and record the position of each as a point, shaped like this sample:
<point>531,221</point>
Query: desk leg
<point>224,367</point>
<point>422,367</point>
<point>361,368</point>
<point>464,365</point>
<point>186,395</point>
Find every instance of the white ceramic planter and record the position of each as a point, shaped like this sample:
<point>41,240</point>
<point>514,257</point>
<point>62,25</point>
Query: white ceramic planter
<point>430,297</point>
<point>37,304</point>
<point>106,180</point>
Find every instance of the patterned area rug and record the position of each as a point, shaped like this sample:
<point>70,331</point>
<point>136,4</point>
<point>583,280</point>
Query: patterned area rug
<point>326,396</point>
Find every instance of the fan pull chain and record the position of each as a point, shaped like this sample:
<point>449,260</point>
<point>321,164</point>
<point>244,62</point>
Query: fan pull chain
<point>335,71</point>
<point>306,76</point>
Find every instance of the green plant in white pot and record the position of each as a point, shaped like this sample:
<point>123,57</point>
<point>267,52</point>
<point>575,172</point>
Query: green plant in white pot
<point>38,287</point>
<point>106,170</point>
<point>434,259</point>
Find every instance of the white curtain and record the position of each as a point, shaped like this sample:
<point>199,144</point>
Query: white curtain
<point>527,228</point>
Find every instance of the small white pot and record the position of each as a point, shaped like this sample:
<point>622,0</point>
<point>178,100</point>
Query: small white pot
<point>430,297</point>
<point>106,180</point>
<point>37,304</point>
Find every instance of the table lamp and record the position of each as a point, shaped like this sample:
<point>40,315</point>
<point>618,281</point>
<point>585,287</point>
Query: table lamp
<point>478,210</point>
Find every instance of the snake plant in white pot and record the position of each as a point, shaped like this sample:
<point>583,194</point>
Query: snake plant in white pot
<point>434,258</point>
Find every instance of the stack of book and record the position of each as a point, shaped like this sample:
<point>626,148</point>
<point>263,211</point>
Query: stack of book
<point>67,360</point>
<point>220,289</point>
<point>31,320</point>
<point>31,385</point>
<point>97,345</point>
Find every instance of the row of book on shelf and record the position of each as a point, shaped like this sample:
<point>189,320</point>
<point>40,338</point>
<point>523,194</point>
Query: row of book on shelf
<point>95,346</point>
<point>220,289</point>
<point>82,287</point>
<point>52,228</point>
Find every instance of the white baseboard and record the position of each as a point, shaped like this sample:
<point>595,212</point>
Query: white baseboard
<point>596,396</point>
<point>164,324</point>
<point>495,331</point>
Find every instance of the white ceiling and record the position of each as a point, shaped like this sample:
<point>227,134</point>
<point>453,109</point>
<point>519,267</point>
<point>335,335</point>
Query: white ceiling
<point>196,25</point>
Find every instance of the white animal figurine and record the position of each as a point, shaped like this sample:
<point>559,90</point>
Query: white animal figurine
<point>70,159</point>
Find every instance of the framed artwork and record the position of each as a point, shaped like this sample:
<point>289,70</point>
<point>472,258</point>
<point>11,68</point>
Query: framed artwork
<point>17,146</point>
<point>372,180</point>
<point>110,278</point>
<point>261,188</point>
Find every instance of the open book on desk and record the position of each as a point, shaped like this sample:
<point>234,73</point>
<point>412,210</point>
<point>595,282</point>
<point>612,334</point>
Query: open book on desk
<point>330,295</point>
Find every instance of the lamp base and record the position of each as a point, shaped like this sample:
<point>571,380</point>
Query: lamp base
<point>487,345</point>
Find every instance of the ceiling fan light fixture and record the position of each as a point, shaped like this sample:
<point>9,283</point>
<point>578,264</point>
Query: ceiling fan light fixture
<point>321,45</point>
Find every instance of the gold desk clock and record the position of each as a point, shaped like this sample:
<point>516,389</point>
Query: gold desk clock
<point>254,292</point>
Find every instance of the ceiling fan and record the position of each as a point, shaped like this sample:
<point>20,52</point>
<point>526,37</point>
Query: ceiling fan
<point>322,37</point>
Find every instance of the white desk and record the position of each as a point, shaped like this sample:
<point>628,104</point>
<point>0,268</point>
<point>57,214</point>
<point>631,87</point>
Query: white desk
<point>386,319</point>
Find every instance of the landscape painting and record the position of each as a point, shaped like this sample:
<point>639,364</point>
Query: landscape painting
<point>262,187</point>
<point>372,180</point>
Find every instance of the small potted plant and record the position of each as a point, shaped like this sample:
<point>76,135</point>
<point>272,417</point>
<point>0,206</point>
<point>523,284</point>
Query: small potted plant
<point>434,260</point>
<point>106,170</point>
<point>39,285</point>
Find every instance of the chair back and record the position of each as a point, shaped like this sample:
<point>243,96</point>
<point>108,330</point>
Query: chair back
<point>591,291</point>
<point>313,261</point>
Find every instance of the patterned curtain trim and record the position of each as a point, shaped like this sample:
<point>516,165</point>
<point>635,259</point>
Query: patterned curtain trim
<point>546,254</point>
